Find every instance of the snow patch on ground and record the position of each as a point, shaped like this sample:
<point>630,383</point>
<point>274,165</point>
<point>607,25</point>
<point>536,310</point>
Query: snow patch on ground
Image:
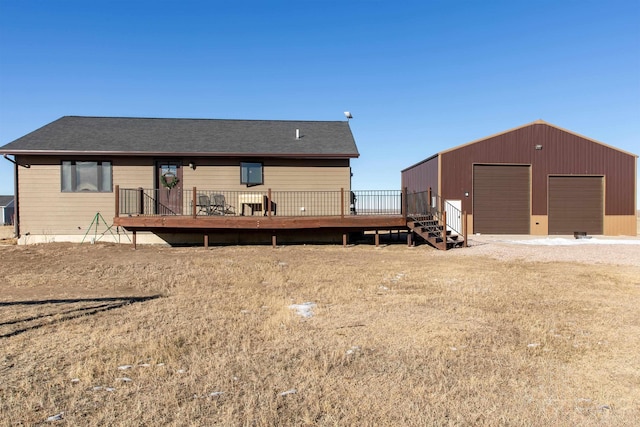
<point>304,309</point>
<point>573,242</point>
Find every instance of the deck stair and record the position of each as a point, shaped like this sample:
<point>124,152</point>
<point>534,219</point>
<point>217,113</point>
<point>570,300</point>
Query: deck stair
<point>430,230</point>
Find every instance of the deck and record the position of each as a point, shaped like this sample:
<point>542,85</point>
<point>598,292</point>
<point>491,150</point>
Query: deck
<point>207,212</point>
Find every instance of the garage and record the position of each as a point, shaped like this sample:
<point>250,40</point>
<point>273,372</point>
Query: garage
<point>501,199</point>
<point>536,179</point>
<point>576,203</point>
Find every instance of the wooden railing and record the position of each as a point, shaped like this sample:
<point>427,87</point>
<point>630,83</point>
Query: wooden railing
<point>429,204</point>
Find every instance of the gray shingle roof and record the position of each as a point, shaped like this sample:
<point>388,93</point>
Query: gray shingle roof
<point>207,137</point>
<point>5,200</point>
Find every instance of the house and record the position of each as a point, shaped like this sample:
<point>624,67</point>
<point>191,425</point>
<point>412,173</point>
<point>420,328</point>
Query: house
<point>536,179</point>
<point>6,210</point>
<point>168,180</point>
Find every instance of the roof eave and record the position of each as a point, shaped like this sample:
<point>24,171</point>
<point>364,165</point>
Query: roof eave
<point>180,154</point>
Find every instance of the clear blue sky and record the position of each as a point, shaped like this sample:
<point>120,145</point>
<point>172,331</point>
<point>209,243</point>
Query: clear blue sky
<point>418,76</point>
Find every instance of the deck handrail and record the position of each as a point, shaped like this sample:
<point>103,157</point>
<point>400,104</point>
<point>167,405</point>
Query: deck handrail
<point>186,202</point>
<point>428,203</point>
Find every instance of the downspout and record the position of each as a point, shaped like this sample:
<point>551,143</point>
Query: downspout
<point>16,203</point>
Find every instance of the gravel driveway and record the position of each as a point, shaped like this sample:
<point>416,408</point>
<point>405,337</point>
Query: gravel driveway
<point>597,250</point>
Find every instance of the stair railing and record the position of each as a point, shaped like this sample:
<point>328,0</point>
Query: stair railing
<point>427,203</point>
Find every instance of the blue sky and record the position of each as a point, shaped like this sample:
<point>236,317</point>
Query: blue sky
<point>418,76</point>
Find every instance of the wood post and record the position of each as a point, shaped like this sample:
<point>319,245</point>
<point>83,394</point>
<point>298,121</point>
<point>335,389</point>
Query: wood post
<point>444,228</point>
<point>342,203</point>
<point>404,203</point>
<point>344,240</point>
<point>429,196</point>
<point>269,202</point>
<point>117,201</point>
<point>140,201</point>
<point>194,203</point>
<point>377,239</point>
<point>206,241</point>
<point>133,240</point>
<point>274,242</point>
<point>464,229</point>
<point>409,238</point>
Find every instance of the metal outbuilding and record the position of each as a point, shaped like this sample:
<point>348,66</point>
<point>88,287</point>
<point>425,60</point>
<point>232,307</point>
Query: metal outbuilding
<point>536,179</point>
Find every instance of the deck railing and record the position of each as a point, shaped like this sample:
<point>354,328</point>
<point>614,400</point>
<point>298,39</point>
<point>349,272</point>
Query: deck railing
<point>196,201</point>
<point>428,203</point>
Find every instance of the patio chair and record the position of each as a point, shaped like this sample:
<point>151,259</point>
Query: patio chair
<point>220,206</point>
<point>204,205</point>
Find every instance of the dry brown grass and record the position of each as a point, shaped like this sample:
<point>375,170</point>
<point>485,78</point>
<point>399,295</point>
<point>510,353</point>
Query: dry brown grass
<point>399,336</point>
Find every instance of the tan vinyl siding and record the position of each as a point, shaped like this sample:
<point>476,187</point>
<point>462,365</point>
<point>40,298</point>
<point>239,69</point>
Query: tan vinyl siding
<point>133,173</point>
<point>46,210</point>
<point>284,175</point>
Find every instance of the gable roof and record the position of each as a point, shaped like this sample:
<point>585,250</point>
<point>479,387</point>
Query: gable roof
<point>537,122</point>
<point>203,137</point>
<point>6,200</point>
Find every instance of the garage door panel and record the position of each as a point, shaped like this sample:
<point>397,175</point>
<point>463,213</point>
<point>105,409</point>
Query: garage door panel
<point>501,199</point>
<point>576,203</point>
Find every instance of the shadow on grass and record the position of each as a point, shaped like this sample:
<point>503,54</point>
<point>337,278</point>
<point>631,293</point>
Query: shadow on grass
<point>90,306</point>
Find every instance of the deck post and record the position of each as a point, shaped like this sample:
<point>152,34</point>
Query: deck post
<point>342,203</point>
<point>409,238</point>
<point>140,201</point>
<point>404,203</point>
<point>133,240</point>
<point>444,228</point>
<point>117,201</point>
<point>193,203</point>
<point>269,202</point>
<point>464,229</point>
<point>344,240</point>
<point>274,242</point>
<point>206,241</point>
<point>377,239</point>
<point>429,201</point>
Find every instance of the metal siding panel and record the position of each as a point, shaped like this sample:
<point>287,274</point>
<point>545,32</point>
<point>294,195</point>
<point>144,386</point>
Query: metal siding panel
<point>422,176</point>
<point>575,204</point>
<point>501,199</point>
<point>562,153</point>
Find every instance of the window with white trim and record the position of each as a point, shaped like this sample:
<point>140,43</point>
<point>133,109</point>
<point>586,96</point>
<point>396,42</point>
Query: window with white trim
<point>85,176</point>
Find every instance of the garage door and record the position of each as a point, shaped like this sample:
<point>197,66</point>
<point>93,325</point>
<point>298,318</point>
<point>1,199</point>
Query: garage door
<point>501,199</point>
<point>576,203</point>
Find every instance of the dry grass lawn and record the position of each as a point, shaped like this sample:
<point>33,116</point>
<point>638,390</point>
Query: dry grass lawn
<point>398,336</point>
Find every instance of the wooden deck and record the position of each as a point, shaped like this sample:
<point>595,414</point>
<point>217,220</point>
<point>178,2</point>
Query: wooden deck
<point>202,222</point>
<point>336,213</point>
<point>207,212</point>
<point>274,224</point>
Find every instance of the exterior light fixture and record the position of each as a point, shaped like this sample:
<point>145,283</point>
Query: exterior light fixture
<point>539,147</point>
<point>192,165</point>
<point>466,194</point>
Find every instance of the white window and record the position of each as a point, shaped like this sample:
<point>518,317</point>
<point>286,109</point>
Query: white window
<point>81,176</point>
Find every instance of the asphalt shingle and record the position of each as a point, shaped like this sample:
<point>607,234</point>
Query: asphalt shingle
<point>150,136</point>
